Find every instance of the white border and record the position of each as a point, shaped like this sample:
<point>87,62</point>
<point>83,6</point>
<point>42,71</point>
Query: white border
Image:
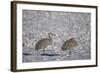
<point>34,65</point>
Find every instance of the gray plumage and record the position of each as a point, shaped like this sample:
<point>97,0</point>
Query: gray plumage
<point>43,43</point>
<point>69,44</point>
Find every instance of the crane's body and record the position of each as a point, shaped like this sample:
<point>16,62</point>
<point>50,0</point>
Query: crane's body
<point>69,44</point>
<point>43,43</point>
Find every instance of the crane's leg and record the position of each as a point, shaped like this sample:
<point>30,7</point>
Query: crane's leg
<point>43,50</point>
<point>70,53</point>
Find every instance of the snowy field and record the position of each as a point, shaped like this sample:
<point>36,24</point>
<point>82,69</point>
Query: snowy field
<point>66,25</point>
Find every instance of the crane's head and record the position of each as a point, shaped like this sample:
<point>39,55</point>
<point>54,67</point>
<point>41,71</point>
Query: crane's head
<point>51,35</point>
<point>73,41</point>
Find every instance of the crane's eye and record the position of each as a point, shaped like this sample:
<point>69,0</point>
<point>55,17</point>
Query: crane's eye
<point>54,34</point>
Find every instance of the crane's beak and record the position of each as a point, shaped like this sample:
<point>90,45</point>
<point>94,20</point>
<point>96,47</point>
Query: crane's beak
<point>54,34</point>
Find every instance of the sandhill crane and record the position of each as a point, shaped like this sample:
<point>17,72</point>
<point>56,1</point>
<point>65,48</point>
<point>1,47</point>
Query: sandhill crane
<point>43,43</point>
<point>69,44</point>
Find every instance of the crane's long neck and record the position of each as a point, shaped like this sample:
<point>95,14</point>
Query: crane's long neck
<point>50,37</point>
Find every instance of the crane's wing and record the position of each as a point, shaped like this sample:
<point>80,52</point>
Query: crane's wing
<point>69,44</point>
<point>43,43</point>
